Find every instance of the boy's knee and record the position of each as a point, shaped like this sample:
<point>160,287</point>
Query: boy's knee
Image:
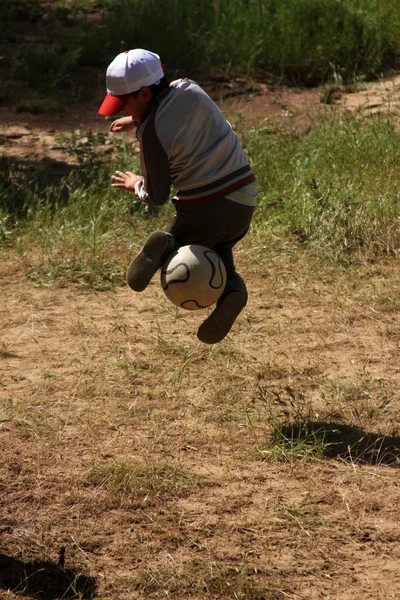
<point>172,246</point>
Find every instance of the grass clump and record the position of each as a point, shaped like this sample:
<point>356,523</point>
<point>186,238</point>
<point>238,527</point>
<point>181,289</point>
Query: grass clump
<point>75,228</point>
<point>292,431</point>
<point>129,482</point>
<point>295,430</point>
<point>208,580</point>
<point>294,441</point>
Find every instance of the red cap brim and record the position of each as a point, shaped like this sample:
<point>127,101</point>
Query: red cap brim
<point>112,105</point>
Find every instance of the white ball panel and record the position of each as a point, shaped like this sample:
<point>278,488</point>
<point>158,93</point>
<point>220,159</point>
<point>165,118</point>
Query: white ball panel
<point>193,277</point>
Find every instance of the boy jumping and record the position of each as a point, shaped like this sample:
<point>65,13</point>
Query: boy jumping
<point>184,141</point>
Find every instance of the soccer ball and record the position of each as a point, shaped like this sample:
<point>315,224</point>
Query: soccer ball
<point>193,277</point>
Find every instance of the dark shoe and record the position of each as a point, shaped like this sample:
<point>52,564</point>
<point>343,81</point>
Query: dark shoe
<point>220,322</point>
<point>146,263</point>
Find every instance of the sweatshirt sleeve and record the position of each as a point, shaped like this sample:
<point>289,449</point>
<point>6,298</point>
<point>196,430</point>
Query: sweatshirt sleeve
<point>154,167</point>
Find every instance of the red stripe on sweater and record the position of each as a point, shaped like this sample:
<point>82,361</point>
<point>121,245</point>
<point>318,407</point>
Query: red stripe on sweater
<point>223,192</point>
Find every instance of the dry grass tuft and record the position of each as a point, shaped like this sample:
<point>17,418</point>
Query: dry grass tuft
<point>128,482</point>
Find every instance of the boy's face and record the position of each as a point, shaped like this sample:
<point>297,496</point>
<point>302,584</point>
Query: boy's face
<point>137,106</point>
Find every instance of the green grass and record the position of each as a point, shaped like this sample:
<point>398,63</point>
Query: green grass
<point>332,192</point>
<point>301,41</point>
<point>76,229</point>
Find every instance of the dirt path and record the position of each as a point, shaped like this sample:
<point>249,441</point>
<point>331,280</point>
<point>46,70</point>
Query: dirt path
<point>27,137</point>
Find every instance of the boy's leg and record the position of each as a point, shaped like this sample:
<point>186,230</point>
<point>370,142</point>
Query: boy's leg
<point>218,224</point>
<point>155,251</point>
<point>234,298</point>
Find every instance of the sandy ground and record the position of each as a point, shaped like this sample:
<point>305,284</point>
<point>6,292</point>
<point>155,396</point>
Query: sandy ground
<point>143,462</point>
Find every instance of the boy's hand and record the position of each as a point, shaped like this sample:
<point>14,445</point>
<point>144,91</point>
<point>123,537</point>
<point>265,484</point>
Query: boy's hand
<point>123,124</point>
<point>125,180</point>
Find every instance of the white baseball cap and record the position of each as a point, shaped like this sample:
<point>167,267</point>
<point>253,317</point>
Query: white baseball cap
<point>129,72</point>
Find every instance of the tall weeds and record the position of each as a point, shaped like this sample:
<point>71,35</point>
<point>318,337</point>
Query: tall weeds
<point>301,41</point>
<point>335,189</point>
<point>305,41</point>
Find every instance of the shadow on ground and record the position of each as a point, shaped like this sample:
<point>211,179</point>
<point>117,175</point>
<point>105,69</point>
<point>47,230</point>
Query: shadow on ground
<point>341,441</point>
<point>44,580</point>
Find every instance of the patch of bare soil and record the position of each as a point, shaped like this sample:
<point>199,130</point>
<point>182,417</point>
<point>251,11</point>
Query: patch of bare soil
<point>136,462</point>
<point>47,137</point>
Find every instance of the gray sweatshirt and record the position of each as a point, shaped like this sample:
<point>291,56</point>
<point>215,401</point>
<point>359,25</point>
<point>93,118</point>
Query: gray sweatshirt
<point>186,142</point>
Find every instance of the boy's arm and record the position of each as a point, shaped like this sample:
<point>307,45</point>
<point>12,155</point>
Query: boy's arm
<point>156,186</point>
<point>126,180</point>
<point>153,186</point>
<point>123,124</point>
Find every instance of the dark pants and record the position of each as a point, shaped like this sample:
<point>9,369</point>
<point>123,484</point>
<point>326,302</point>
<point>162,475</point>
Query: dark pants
<point>217,224</point>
